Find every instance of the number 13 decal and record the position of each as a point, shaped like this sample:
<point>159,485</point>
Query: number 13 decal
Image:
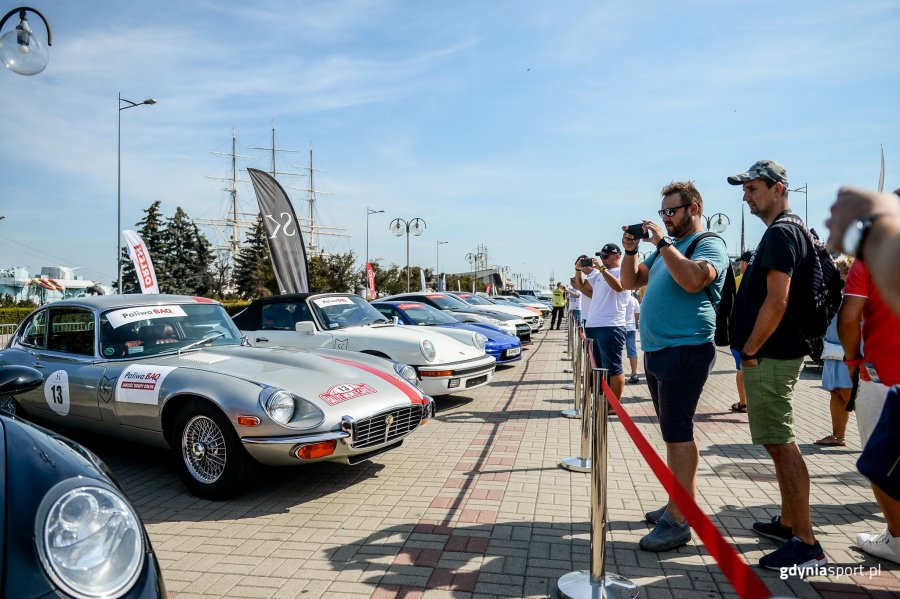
<point>56,392</point>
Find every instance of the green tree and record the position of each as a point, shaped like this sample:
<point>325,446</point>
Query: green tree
<point>188,257</point>
<point>151,229</point>
<point>253,274</point>
<point>333,273</point>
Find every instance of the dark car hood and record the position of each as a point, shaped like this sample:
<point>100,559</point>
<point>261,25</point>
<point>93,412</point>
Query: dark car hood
<point>34,460</point>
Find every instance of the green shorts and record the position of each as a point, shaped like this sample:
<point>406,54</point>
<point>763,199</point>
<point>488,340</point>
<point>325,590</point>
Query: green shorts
<point>770,388</point>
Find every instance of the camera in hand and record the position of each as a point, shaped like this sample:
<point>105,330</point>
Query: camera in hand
<point>637,231</point>
<point>585,262</point>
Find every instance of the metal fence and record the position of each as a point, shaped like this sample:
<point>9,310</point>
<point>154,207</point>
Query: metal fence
<point>6,333</point>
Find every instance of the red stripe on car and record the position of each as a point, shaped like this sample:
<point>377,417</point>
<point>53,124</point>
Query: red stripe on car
<point>413,396</point>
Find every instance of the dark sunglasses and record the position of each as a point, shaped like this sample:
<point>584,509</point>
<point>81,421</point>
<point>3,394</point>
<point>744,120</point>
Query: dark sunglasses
<point>670,212</point>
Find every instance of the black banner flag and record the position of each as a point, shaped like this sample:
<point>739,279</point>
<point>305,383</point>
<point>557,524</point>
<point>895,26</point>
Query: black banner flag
<point>283,235</point>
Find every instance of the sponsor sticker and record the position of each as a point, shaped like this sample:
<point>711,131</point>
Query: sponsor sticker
<point>436,296</point>
<point>324,302</point>
<point>141,383</point>
<point>119,317</point>
<point>56,392</point>
<point>409,306</point>
<point>346,391</point>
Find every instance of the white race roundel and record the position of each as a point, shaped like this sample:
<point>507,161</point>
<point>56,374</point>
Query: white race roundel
<point>56,392</point>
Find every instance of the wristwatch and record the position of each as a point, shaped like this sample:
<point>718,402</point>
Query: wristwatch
<point>630,252</point>
<point>664,242</point>
<point>747,357</point>
<point>856,234</point>
<point>602,268</point>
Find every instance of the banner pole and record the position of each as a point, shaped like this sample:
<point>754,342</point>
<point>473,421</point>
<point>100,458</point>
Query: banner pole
<point>596,583</point>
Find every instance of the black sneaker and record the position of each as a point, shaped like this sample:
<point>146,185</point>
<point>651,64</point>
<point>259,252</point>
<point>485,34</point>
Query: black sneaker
<point>774,530</point>
<point>794,553</point>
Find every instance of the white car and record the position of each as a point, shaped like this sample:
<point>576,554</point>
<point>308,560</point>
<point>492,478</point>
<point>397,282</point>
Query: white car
<point>525,303</point>
<point>533,319</point>
<point>443,365</point>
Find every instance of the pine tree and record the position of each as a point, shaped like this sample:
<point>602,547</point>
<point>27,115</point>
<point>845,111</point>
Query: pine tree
<point>204,259</point>
<point>334,273</point>
<point>253,274</point>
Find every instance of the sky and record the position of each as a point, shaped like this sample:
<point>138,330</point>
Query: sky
<point>534,128</point>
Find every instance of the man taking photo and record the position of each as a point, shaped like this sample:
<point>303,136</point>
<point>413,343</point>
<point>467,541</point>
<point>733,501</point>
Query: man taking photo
<point>677,330</point>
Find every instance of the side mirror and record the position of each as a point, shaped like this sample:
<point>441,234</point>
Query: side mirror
<point>19,379</point>
<point>305,326</point>
<point>396,320</point>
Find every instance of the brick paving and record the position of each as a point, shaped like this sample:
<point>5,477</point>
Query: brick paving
<point>475,505</point>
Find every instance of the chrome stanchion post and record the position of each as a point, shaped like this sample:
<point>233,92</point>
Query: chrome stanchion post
<point>596,583</point>
<point>570,345</point>
<point>577,362</point>
<point>582,463</point>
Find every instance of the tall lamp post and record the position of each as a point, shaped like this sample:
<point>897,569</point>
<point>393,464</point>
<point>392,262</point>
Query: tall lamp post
<point>128,104</point>
<point>20,50</point>
<point>717,222</point>
<point>437,256</point>
<point>415,226</point>
<point>805,201</point>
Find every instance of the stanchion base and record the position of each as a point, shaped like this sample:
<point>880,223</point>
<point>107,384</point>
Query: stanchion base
<point>579,585</point>
<point>568,386</point>
<point>571,413</point>
<point>576,465</point>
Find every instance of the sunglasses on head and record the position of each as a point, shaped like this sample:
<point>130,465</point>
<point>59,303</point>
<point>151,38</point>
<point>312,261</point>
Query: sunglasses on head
<point>670,212</point>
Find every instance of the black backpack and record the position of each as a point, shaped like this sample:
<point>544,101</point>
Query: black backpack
<point>729,291</point>
<point>825,296</point>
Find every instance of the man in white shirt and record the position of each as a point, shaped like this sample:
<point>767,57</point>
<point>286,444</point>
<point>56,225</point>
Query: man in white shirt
<point>632,318</point>
<point>605,320</point>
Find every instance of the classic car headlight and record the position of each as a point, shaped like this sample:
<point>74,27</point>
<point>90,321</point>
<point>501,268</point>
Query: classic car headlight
<point>479,340</point>
<point>407,373</point>
<point>280,406</point>
<point>289,410</point>
<point>427,348</point>
<point>90,539</point>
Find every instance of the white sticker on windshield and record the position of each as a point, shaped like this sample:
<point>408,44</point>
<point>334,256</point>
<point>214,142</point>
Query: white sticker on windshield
<point>141,383</point>
<point>119,317</point>
<point>324,302</point>
<point>56,392</point>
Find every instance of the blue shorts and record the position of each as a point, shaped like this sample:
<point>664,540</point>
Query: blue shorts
<point>737,358</point>
<point>609,342</point>
<point>631,344</point>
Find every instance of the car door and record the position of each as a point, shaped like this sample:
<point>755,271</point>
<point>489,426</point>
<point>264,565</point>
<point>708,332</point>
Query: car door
<point>61,342</point>
<point>277,326</point>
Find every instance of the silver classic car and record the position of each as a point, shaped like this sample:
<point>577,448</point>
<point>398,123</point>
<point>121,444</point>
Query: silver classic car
<point>173,371</point>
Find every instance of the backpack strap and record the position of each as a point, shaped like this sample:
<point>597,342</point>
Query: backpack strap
<point>690,251</point>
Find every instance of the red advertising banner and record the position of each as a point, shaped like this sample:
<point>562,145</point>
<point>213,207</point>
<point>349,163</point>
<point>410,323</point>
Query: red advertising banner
<point>370,273</point>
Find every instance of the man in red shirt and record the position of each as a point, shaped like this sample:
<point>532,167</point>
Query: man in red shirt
<point>878,370</point>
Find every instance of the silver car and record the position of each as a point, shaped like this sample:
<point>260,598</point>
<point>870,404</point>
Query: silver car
<point>173,371</point>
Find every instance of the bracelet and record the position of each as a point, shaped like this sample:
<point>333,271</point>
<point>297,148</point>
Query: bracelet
<point>747,357</point>
<point>854,361</point>
<point>630,252</point>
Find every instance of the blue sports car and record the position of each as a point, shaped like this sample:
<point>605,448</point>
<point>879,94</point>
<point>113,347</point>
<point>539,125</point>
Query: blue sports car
<point>504,348</point>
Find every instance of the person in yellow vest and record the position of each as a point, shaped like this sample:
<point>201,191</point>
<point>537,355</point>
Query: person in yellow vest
<point>559,305</point>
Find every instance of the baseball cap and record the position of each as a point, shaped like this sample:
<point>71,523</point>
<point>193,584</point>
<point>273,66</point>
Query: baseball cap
<point>745,257</point>
<point>609,248</point>
<point>767,169</point>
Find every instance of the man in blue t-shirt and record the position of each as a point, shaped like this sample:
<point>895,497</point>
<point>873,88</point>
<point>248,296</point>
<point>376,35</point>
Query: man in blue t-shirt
<point>678,324</point>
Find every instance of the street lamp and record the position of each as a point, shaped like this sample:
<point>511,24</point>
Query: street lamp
<point>128,104</point>
<point>437,254</point>
<point>20,50</point>
<point>416,226</point>
<point>805,200</point>
<point>717,223</point>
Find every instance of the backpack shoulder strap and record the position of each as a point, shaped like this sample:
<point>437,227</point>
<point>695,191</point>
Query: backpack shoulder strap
<point>690,251</point>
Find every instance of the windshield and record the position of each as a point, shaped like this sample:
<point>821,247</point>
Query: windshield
<point>141,331</point>
<point>341,311</point>
<point>422,314</point>
<point>447,302</point>
<point>475,300</point>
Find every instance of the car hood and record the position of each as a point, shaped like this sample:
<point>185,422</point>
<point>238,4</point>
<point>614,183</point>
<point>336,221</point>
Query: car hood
<point>309,374</point>
<point>447,348</point>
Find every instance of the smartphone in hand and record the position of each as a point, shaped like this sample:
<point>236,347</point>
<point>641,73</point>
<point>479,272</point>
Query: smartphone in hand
<point>637,231</point>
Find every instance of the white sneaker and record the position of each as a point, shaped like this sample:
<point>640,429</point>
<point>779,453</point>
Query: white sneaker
<point>881,545</point>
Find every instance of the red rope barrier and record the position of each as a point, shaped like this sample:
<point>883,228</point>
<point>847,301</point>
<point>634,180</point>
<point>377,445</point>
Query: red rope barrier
<point>742,578</point>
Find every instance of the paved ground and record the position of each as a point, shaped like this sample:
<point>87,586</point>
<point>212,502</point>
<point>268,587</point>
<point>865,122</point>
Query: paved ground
<point>474,504</point>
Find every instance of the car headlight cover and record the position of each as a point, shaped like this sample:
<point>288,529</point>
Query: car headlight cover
<point>91,541</point>
<point>289,410</point>
<point>479,340</point>
<point>407,373</point>
<point>428,350</point>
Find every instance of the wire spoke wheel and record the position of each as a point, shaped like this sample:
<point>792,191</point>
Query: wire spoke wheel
<point>203,449</point>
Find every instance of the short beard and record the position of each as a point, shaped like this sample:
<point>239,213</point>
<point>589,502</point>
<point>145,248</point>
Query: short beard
<point>682,228</point>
